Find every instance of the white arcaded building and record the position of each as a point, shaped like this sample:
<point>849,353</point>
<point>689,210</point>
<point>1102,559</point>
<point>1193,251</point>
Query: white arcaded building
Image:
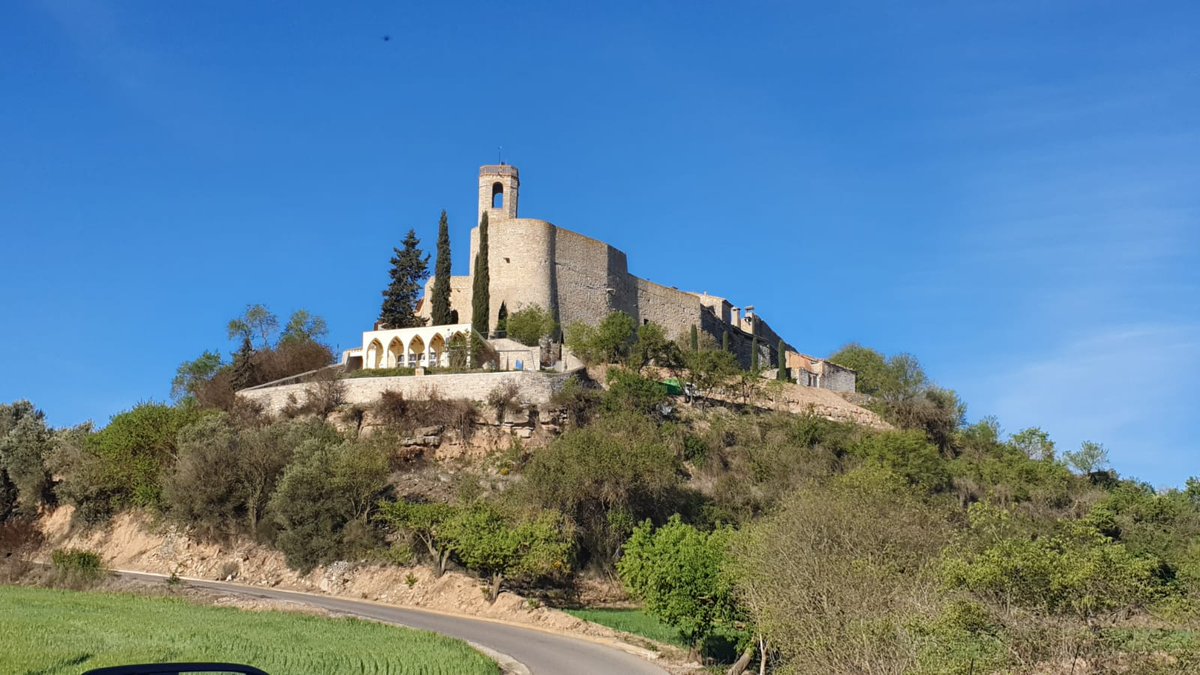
<point>421,347</point>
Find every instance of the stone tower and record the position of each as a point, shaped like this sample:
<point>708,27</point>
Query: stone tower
<point>498,188</point>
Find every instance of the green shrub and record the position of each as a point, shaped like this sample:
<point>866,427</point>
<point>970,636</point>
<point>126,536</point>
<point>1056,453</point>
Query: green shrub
<point>1077,572</point>
<point>680,573</point>
<point>122,465</point>
<point>324,501</point>
<point>501,544</point>
<point>25,443</point>
<point>576,400</point>
<point>609,342</point>
<point>77,568</point>
<point>530,324</point>
<point>907,453</point>
<point>606,477</point>
<point>627,390</point>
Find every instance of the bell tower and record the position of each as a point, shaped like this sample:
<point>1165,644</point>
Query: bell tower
<point>498,188</point>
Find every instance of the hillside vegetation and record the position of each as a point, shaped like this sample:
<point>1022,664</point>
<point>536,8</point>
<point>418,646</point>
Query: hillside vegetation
<point>937,546</point>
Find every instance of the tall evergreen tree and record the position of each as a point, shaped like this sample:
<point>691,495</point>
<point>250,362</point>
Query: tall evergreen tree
<point>440,307</point>
<point>725,341</point>
<point>782,375</point>
<point>754,353</point>
<point>695,339</point>
<point>480,301</point>
<point>410,269</point>
<point>244,372</point>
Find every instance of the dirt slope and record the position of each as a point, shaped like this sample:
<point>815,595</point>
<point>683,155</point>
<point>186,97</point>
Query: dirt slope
<point>133,541</point>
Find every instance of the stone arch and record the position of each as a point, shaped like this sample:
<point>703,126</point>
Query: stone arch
<point>374,355</point>
<point>395,353</point>
<point>437,350</point>
<point>497,195</point>
<point>416,351</point>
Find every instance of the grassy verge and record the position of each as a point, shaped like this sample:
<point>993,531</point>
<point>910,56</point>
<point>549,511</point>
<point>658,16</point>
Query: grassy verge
<point>52,631</point>
<point>631,621</point>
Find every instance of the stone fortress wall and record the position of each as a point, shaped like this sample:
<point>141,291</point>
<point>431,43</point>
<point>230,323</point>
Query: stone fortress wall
<point>580,279</point>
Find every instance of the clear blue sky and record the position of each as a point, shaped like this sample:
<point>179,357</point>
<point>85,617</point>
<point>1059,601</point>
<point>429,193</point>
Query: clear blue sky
<point>1008,190</point>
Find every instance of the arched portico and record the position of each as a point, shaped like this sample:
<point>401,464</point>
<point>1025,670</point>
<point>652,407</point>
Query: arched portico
<point>437,350</point>
<point>395,354</point>
<point>413,347</point>
<point>374,353</point>
<point>416,352</point>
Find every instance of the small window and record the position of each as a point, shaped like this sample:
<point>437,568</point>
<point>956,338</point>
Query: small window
<point>497,196</point>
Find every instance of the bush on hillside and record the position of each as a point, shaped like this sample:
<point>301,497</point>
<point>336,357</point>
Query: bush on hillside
<point>76,568</point>
<point>324,502</point>
<point>835,579</point>
<point>909,455</point>
<point>579,402</point>
<point>629,391</point>
<point>652,347</point>
<point>1077,571</point>
<point>751,462</point>
<point>502,544</point>
<point>606,477</point>
<point>682,576</point>
<point>25,443</point>
<point>226,474</point>
<point>609,342</point>
<point>404,415</point>
<point>121,465</point>
<point>530,324</point>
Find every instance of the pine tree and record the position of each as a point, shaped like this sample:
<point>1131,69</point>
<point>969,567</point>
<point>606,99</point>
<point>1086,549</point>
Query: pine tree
<point>440,307</point>
<point>410,269</point>
<point>783,371</point>
<point>480,301</point>
<point>695,339</point>
<point>244,372</point>
<point>754,353</point>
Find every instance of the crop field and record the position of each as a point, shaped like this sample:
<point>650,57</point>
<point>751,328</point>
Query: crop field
<point>49,632</point>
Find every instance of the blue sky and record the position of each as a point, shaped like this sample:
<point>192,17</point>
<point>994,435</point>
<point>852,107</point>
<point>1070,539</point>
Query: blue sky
<point>1008,190</point>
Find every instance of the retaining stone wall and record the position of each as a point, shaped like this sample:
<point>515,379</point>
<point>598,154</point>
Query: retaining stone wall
<point>535,388</point>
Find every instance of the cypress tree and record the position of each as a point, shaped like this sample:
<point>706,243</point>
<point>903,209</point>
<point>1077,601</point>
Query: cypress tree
<point>783,372</point>
<point>754,353</point>
<point>244,372</point>
<point>440,302</point>
<point>410,269</point>
<point>480,302</point>
<point>725,341</point>
<point>695,339</point>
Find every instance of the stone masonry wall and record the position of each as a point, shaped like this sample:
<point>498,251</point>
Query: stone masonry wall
<point>536,388</point>
<point>584,271</point>
<point>673,309</point>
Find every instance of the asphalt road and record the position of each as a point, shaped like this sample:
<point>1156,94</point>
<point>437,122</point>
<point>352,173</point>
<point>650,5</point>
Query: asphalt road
<point>541,652</point>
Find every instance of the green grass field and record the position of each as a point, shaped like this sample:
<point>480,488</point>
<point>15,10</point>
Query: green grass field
<point>631,621</point>
<point>49,631</point>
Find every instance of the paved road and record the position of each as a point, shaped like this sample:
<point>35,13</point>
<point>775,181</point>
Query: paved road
<point>541,652</point>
